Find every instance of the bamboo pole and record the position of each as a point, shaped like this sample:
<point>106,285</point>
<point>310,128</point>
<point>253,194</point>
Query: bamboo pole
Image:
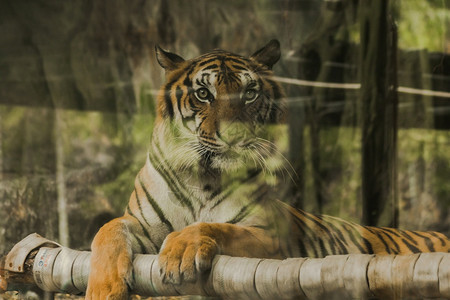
<point>424,275</point>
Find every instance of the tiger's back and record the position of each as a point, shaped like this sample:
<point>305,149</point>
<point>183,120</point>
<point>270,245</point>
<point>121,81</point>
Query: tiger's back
<point>322,235</point>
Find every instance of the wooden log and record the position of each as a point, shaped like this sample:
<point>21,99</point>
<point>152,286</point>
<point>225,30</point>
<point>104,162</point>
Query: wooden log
<point>16,269</point>
<point>343,276</point>
<point>10,280</point>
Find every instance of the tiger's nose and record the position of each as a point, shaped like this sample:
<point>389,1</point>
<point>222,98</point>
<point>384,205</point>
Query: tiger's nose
<point>233,133</point>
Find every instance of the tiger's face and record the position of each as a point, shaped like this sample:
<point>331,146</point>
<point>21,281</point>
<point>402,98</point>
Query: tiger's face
<point>218,106</point>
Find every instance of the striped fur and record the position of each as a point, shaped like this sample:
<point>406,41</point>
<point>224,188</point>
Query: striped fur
<point>321,235</point>
<point>207,186</point>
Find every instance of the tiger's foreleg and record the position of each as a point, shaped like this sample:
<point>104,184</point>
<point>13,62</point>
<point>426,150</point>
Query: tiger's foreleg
<point>111,260</point>
<point>188,252</point>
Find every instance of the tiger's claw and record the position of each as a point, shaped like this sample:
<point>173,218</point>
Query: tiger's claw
<point>185,255</point>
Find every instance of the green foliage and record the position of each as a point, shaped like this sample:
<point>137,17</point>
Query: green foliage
<point>423,172</point>
<point>119,190</point>
<point>339,174</point>
<point>423,24</point>
<point>146,101</point>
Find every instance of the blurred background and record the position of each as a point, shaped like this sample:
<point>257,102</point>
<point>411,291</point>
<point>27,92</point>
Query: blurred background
<point>368,90</point>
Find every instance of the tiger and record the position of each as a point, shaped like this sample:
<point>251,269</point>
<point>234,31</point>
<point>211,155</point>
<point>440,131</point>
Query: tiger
<point>207,186</point>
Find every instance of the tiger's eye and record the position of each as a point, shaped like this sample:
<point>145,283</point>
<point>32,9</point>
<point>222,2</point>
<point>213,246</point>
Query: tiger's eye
<point>250,95</point>
<point>203,94</point>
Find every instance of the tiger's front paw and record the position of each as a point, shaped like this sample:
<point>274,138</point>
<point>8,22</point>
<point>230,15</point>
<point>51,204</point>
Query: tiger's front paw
<point>111,264</point>
<point>187,253</point>
<point>108,278</point>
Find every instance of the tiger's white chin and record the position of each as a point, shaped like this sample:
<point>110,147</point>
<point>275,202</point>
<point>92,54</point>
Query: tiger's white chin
<point>234,159</point>
<point>227,163</point>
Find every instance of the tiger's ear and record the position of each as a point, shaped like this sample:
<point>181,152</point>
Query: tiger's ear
<point>269,54</point>
<point>169,61</point>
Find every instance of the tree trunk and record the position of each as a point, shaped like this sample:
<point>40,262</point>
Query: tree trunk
<point>379,114</point>
<point>63,219</point>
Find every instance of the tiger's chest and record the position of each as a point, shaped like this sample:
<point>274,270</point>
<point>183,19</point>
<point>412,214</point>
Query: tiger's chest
<point>189,198</point>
